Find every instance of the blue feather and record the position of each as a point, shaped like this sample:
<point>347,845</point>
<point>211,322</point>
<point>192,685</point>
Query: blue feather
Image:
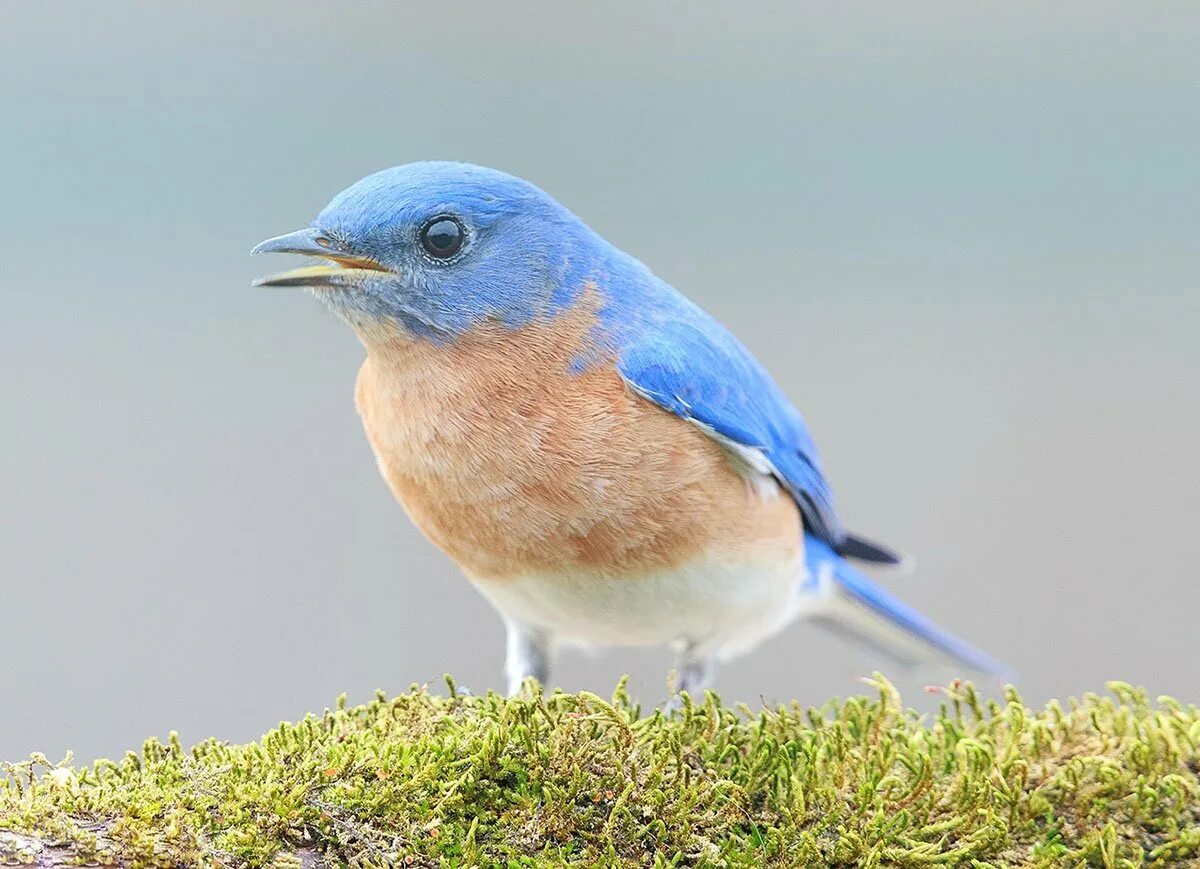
<point>892,612</point>
<point>678,356</point>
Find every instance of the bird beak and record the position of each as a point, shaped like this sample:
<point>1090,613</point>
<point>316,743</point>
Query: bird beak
<point>341,270</point>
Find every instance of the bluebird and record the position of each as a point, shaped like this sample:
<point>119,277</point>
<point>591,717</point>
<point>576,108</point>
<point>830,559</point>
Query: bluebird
<point>602,459</point>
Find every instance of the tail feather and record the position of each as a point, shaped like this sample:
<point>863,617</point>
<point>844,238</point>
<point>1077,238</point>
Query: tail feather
<point>860,548</point>
<point>842,598</point>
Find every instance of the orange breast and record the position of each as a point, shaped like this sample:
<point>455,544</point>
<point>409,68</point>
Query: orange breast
<point>513,464</point>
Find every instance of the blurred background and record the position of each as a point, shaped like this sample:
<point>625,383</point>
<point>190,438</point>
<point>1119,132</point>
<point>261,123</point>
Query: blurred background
<point>963,236</point>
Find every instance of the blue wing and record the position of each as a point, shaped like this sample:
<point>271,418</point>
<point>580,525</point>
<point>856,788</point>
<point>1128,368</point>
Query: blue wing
<point>692,366</point>
<point>674,354</point>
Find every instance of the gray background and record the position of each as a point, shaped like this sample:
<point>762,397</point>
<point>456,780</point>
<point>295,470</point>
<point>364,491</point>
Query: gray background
<point>963,236</point>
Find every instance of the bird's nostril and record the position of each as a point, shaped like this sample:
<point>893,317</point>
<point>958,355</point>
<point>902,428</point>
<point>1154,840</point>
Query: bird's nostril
<point>323,241</point>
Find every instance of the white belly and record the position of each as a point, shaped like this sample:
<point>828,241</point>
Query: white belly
<point>709,606</point>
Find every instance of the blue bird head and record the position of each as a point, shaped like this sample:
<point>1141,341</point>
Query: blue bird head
<point>435,248</point>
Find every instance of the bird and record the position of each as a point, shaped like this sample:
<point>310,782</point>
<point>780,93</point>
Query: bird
<point>600,457</point>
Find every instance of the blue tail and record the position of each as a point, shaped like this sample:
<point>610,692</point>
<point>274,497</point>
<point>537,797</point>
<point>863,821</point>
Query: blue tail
<point>844,599</point>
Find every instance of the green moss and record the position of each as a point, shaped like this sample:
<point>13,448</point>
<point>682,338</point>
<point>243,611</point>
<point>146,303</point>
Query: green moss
<point>574,779</point>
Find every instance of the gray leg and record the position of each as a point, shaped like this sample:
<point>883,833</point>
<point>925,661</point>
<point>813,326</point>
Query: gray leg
<point>695,674</point>
<point>529,651</point>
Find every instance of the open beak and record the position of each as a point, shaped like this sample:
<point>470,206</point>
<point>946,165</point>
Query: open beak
<point>339,270</point>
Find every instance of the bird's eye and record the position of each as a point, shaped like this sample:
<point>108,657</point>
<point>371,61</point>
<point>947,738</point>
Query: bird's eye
<point>442,237</point>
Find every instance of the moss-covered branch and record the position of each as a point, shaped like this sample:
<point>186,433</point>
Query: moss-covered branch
<point>574,779</point>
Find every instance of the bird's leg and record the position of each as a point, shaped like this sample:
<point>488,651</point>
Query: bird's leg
<point>528,653</point>
<point>694,673</point>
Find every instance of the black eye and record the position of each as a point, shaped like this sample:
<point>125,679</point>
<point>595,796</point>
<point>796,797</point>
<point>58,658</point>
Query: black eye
<point>442,237</point>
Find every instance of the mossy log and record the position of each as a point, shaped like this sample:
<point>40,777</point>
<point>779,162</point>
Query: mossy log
<point>573,779</point>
